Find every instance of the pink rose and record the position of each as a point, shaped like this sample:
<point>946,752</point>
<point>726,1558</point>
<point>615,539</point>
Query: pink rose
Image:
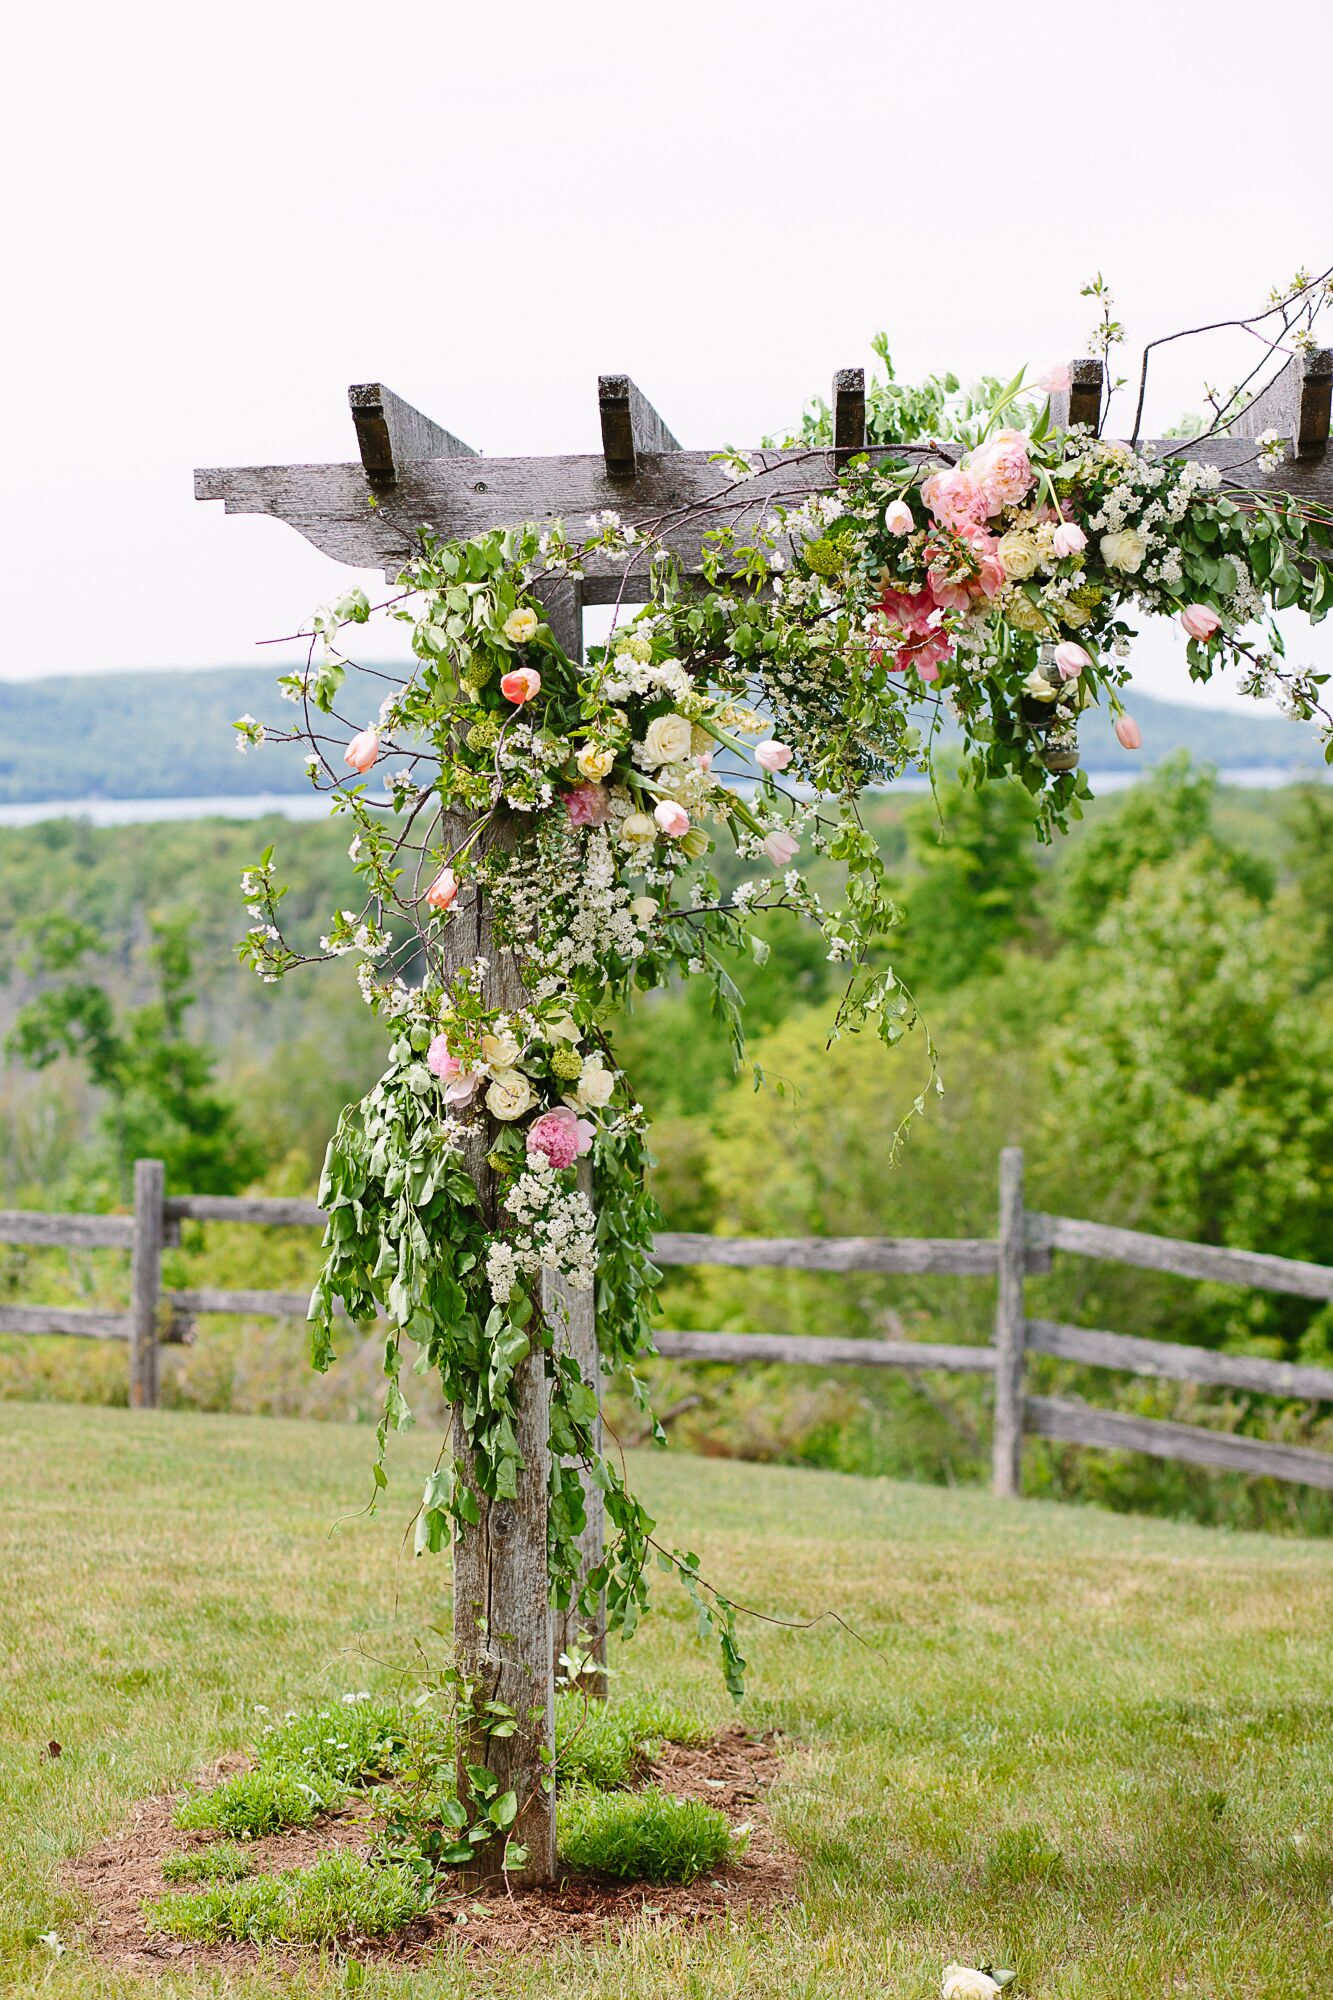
<point>1071,660</point>
<point>362,751</point>
<point>560,1136</point>
<point>1068,539</point>
<point>521,685</point>
<point>672,818</point>
<point>771,756</point>
<point>588,805</point>
<point>443,891</point>
<point>779,846</point>
<point>1057,380</point>
<point>1199,621</point>
<point>898,518</point>
<point>1128,732</point>
<point>1002,470</point>
<point>955,498</point>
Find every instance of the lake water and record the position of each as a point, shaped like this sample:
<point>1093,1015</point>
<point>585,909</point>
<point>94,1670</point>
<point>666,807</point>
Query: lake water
<point>312,805</point>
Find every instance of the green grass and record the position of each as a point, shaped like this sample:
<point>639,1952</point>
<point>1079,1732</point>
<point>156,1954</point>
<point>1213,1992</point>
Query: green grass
<point>603,1744</point>
<point>340,1895</point>
<point>1094,1747</point>
<point>254,1803</point>
<point>642,1836</point>
<point>221,1861</point>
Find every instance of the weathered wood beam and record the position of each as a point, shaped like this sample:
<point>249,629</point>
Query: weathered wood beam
<point>1081,402</point>
<point>1185,1260</point>
<point>272,1211</point>
<point>1173,1361</point>
<point>1072,1422</point>
<point>85,1232</point>
<point>804,1350</point>
<point>466,496</point>
<point>849,410</point>
<point>631,427</point>
<point>87,1322</point>
<point>391,434</point>
<point>961,1256</point>
<point>1296,405</point>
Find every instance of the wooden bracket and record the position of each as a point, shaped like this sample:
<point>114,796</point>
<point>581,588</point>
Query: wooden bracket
<point>630,426</point>
<point>391,434</point>
<point>1081,402</point>
<point>1296,404</point>
<point>849,409</point>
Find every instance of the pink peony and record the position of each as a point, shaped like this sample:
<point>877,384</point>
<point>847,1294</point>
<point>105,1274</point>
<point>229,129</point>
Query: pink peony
<point>1068,539</point>
<point>521,685</point>
<point>1199,621</point>
<point>439,1061</point>
<point>362,751</point>
<point>443,891</point>
<point>1056,381</point>
<point>1071,660</point>
<point>1002,469</point>
<point>588,805</point>
<point>955,497</point>
<point>1128,732</point>
<point>898,518</point>
<point>779,846</point>
<point>771,756</point>
<point>672,818</point>
<point>560,1136</point>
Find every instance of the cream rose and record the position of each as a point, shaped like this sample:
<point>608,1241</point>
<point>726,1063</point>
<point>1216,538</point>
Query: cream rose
<point>564,1028</point>
<point>594,761</point>
<point>499,1051</point>
<point>1021,611</point>
<point>1124,550</point>
<point>637,829</point>
<point>594,1086</point>
<point>1073,615</point>
<point>667,740</point>
<point>1017,553</point>
<point>521,626</point>
<point>1039,687</point>
<point>510,1095</point>
<point>702,744</point>
<point>643,910</point>
<point>965,1982</point>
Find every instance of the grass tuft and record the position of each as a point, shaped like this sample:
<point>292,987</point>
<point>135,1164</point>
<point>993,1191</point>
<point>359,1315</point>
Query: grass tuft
<point>222,1862</point>
<point>603,1744</point>
<point>254,1803</point>
<point>642,1836</point>
<point>341,1895</point>
<point>348,1745</point>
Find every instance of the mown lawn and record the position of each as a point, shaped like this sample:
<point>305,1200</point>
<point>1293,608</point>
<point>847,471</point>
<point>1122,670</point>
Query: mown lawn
<point>1095,1748</point>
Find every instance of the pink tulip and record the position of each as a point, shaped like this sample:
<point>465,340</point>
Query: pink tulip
<point>898,518</point>
<point>363,750</point>
<point>779,847</point>
<point>1056,380</point>
<point>1128,732</point>
<point>521,685</point>
<point>771,756</point>
<point>1071,659</point>
<point>672,818</point>
<point>443,891</point>
<point>1068,539</point>
<point>1199,621</point>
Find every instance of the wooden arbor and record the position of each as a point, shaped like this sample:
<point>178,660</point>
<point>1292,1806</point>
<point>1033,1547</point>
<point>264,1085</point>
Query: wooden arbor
<point>411,471</point>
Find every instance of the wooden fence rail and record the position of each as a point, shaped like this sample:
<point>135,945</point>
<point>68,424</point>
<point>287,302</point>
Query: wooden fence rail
<point>1023,1247</point>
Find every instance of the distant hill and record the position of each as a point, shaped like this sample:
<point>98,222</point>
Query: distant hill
<point>169,735</point>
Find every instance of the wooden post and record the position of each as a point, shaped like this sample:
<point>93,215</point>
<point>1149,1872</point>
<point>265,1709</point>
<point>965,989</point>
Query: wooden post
<point>146,1281</point>
<point>1010,1331</point>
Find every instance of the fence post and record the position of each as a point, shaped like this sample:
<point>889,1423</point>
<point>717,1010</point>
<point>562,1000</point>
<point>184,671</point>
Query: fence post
<point>146,1281</point>
<point>1010,1331</point>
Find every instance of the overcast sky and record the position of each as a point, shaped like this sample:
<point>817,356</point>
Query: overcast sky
<point>220,216</point>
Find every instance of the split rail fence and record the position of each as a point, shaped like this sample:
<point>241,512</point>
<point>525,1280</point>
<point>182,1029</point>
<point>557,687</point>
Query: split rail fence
<point>1023,1246</point>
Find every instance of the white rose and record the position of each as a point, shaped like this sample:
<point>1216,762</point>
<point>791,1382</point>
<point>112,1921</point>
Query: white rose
<point>667,739</point>
<point>510,1095</point>
<point>520,626</point>
<point>1018,555</point>
<point>637,829</point>
<point>595,762</point>
<point>595,1085</point>
<point>1124,550</point>
<point>964,1982</point>
<point>564,1028</point>
<point>499,1051</point>
<point>1039,687</point>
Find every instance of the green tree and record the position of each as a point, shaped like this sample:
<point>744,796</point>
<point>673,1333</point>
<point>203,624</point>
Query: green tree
<point>975,882</point>
<point>158,1082</point>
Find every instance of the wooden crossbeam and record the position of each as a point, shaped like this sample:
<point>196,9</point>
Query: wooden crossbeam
<point>420,473</point>
<point>390,433</point>
<point>631,427</point>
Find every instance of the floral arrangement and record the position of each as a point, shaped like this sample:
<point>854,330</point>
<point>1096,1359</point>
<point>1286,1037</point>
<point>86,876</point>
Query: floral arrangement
<point>579,804</point>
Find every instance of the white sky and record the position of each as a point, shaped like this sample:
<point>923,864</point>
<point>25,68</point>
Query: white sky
<point>220,216</point>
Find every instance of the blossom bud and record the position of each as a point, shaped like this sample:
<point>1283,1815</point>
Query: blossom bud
<point>1069,539</point>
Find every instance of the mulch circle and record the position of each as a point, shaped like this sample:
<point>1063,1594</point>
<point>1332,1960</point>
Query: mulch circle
<point>733,1772</point>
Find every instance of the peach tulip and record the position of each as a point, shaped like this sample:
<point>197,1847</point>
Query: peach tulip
<point>672,818</point>
<point>443,891</point>
<point>1199,621</point>
<point>362,751</point>
<point>771,756</point>
<point>521,685</point>
<point>1128,733</point>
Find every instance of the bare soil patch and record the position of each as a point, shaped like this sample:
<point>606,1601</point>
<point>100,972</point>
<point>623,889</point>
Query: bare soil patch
<point>734,1772</point>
